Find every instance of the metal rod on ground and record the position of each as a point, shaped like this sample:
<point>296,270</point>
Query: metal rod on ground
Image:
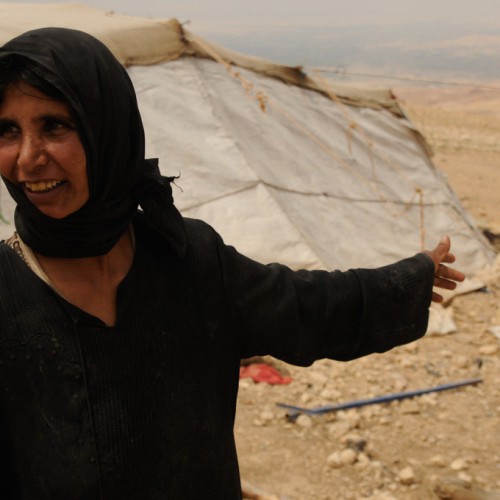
<point>297,410</point>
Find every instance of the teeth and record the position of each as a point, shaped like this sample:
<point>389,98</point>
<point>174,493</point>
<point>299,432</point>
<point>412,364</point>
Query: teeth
<point>39,187</point>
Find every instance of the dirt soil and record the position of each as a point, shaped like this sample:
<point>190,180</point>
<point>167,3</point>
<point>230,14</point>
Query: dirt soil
<point>411,448</point>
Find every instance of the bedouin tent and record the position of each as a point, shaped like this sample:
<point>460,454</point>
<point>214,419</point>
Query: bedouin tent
<point>287,167</point>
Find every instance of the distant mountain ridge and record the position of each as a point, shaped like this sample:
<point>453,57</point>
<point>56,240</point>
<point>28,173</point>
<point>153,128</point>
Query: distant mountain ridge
<point>425,50</point>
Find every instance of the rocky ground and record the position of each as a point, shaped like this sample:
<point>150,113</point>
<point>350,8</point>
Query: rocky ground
<point>439,445</point>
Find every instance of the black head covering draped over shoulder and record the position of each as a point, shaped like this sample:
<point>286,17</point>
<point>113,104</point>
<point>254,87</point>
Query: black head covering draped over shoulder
<point>100,92</point>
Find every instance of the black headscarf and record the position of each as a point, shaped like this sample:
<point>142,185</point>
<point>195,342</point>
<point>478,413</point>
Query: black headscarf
<point>101,95</point>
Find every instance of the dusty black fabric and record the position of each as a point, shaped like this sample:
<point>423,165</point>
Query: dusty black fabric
<point>103,99</point>
<point>142,410</point>
<point>145,410</point>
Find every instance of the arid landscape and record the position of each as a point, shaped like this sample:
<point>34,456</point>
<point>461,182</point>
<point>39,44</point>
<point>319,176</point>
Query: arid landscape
<point>444,445</point>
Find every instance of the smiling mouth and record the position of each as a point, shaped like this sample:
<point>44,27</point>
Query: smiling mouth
<point>42,186</point>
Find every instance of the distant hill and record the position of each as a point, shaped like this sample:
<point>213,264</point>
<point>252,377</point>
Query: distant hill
<point>423,50</point>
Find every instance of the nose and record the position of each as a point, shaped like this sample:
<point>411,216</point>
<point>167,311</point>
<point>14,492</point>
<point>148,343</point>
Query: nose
<point>32,153</point>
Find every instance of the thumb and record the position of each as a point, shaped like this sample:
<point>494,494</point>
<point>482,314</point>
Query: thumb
<point>441,252</point>
<point>443,248</point>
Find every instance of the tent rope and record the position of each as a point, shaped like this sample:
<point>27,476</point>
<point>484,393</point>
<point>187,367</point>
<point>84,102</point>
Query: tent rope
<point>265,102</point>
<point>422,215</point>
<point>302,192</point>
<point>326,87</point>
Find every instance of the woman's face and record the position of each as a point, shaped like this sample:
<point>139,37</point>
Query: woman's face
<point>41,151</point>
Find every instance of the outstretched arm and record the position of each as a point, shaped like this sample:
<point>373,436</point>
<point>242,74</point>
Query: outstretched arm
<point>444,276</point>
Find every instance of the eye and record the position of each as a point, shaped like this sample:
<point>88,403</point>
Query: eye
<point>56,126</point>
<point>8,130</point>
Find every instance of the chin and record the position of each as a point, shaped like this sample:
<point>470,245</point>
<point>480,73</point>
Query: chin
<point>58,212</point>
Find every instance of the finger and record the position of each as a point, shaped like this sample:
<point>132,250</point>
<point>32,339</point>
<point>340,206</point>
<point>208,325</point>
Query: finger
<point>436,297</point>
<point>449,273</point>
<point>449,258</point>
<point>444,283</point>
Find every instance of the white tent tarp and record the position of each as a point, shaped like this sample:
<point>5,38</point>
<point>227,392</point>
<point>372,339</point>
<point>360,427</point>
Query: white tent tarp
<point>334,177</point>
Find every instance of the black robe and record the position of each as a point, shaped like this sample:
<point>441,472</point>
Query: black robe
<point>145,409</point>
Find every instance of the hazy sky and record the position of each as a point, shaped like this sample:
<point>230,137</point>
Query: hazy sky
<point>459,38</point>
<point>208,15</point>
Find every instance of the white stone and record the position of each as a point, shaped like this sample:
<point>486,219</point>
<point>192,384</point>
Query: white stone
<point>304,421</point>
<point>333,460</point>
<point>466,478</point>
<point>329,394</point>
<point>458,464</point>
<point>267,416</point>
<point>462,362</point>
<point>489,349</point>
<point>428,400</point>
<point>317,378</point>
<point>438,461</point>
<point>338,429</point>
<point>353,439</point>
<point>400,384</point>
<point>353,418</point>
<point>363,460</point>
<point>305,397</point>
<point>348,456</point>
<point>245,383</point>
<point>406,476</point>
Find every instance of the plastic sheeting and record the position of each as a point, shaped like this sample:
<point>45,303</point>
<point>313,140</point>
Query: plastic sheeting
<point>302,179</point>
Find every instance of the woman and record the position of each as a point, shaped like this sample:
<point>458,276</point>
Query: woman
<point>122,330</point>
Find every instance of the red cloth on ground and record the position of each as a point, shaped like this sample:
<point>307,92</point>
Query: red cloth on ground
<point>263,373</point>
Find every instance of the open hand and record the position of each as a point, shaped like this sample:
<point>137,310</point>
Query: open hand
<point>444,276</point>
